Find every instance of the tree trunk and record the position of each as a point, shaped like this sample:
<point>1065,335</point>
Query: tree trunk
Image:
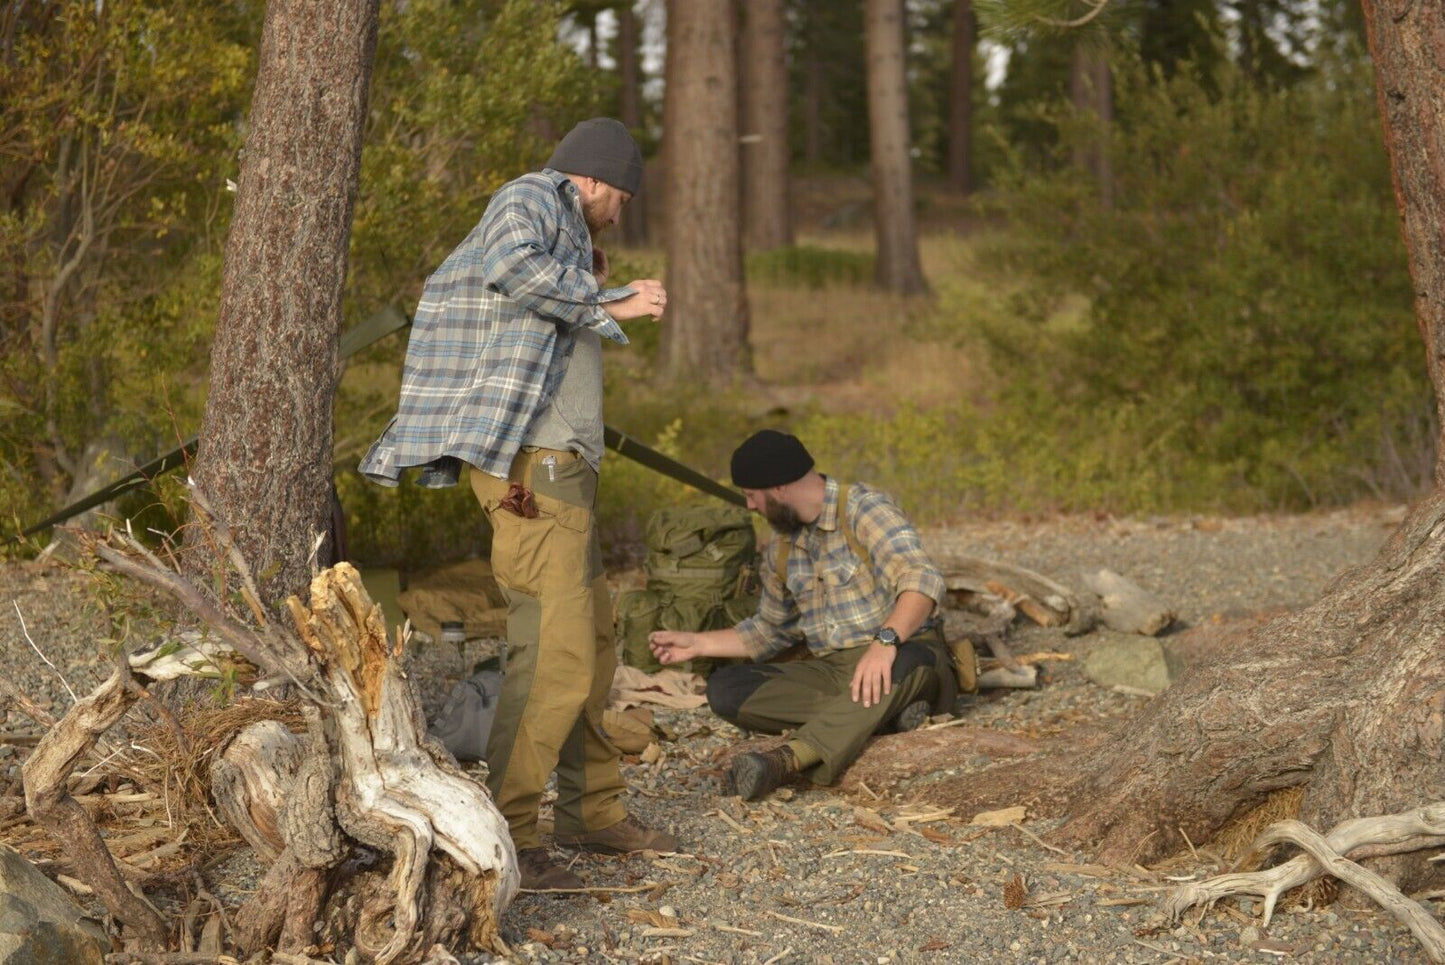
<point>265,451</point>
<point>706,332</point>
<point>629,111</point>
<point>1347,697</point>
<point>1405,44</point>
<point>764,143</point>
<point>899,269</point>
<point>1091,89</point>
<point>960,103</point>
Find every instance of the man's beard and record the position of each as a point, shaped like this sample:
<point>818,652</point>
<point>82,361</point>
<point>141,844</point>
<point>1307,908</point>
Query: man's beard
<point>780,516</point>
<point>592,214</point>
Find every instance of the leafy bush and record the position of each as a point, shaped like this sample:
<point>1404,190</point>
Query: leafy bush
<point>1249,338</point>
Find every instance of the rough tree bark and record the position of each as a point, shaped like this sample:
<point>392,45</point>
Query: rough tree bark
<point>1346,697</point>
<point>899,268</point>
<point>265,451</point>
<point>706,335</point>
<point>629,111</point>
<point>764,143</point>
<point>960,100</point>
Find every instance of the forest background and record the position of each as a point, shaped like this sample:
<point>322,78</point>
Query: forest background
<point>1181,289</point>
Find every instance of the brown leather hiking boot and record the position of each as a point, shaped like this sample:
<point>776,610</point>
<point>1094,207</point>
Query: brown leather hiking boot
<point>624,837</point>
<point>754,774</point>
<point>541,873</point>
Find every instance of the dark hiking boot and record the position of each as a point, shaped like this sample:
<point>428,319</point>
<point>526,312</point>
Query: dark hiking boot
<point>912,717</point>
<point>624,837</point>
<point>754,774</point>
<point>541,873</point>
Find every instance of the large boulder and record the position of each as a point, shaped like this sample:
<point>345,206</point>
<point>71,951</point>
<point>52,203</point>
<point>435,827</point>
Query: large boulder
<point>39,924</point>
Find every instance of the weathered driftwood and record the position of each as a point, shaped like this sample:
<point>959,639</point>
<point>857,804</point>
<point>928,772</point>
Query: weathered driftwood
<point>1411,830</point>
<point>367,769</point>
<point>1044,601</point>
<point>1126,606</point>
<point>249,781</point>
<point>47,798</point>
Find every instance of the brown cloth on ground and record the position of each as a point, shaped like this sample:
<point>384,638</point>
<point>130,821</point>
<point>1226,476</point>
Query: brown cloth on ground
<point>464,593</point>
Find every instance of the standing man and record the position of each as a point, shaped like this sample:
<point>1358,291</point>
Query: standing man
<point>504,373</point>
<point>846,574</point>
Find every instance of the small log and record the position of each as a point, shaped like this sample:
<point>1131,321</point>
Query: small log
<point>1128,607</point>
<point>1017,678</point>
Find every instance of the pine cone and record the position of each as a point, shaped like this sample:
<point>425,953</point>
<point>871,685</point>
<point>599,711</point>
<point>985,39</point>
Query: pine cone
<point>1014,893</point>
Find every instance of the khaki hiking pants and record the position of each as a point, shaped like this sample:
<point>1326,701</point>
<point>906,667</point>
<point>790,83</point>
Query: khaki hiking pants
<point>560,656</point>
<point>814,695</point>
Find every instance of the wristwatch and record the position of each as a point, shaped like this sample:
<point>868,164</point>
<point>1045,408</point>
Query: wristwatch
<point>888,637</point>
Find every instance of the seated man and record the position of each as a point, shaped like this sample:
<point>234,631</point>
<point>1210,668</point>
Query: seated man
<point>846,574</point>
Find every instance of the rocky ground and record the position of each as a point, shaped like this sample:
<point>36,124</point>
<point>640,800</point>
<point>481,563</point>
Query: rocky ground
<point>864,874</point>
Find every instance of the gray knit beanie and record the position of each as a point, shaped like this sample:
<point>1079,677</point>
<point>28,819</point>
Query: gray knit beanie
<point>600,148</point>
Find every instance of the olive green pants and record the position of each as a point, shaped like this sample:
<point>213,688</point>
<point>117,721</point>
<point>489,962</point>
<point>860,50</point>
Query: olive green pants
<point>815,696</point>
<point>560,655</point>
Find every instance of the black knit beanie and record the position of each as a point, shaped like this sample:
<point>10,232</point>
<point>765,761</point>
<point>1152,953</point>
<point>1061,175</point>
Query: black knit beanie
<point>769,458</point>
<point>600,148</point>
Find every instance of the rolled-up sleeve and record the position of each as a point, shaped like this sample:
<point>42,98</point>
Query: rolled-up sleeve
<point>895,548</point>
<point>775,626</point>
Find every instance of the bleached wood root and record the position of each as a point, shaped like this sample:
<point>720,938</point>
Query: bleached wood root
<point>398,794</point>
<point>250,782</point>
<point>46,774</point>
<point>1361,837</point>
<point>1128,607</point>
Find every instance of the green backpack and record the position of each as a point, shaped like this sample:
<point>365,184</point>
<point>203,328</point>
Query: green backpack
<point>701,575</point>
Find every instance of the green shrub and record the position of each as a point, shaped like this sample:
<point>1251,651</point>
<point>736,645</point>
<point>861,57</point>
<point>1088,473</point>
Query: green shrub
<point>1249,318</point>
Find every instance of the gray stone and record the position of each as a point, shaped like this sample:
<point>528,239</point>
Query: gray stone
<point>1139,663</point>
<point>39,923</point>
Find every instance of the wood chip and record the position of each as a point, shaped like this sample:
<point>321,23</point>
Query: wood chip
<point>1000,818</point>
<point>667,932</point>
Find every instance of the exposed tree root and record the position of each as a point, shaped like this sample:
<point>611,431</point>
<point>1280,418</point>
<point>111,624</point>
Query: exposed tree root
<point>1363,837</point>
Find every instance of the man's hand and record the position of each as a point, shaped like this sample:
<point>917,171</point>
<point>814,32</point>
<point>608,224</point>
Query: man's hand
<point>673,646</point>
<point>599,265</point>
<point>873,677</point>
<point>651,299</point>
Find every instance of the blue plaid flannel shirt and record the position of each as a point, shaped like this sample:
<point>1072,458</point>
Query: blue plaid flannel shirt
<point>831,600</point>
<point>493,334</point>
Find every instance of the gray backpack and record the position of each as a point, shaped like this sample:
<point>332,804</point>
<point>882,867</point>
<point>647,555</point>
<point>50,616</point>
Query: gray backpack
<point>466,718</point>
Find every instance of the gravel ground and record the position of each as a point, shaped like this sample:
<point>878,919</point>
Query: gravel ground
<point>818,875</point>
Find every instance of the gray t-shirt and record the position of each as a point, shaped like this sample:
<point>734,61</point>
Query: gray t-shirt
<point>572,419</point>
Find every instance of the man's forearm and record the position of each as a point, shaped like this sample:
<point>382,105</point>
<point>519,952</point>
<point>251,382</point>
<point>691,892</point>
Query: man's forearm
<point>910,612</point>
<point>719,643</point>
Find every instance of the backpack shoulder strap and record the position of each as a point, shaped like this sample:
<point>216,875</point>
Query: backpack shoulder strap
<point>785,546</point>
<point>846,525</point>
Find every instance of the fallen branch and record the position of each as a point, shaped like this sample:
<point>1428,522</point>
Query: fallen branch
<point>46,774</point>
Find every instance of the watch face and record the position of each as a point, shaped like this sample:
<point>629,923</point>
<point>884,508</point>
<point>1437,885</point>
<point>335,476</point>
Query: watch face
<point>887,636</point>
